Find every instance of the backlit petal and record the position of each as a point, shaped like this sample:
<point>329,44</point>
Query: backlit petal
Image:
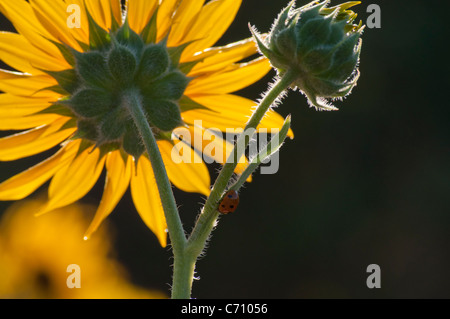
<point>237,77</point>
<point>34,141</point>
<point>53,17</point>
<point>18,53</point>
<point>25,183</point>
<point>212,22</point>
<point>117,180</point>
<point>186,171</point>
<point>101,11</point>
<point>218,58</point>
<point>22,16</point>
<point>17,113</point>
<point>27,85</point>
<point>229,111</point>
<point>185,16</point>
<point>26,122</point>
<point>75,180</point>
<point>16,106</point>
<point>211,144</point>
<point>147,200</point>
<point>82,33</point>
<point>165,14</point>
<point>140,12</point>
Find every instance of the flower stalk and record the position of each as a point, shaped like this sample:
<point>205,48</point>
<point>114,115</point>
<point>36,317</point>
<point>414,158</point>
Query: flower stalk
<point>208,217</point>
<point>183,266</point>
<point>186,252</point>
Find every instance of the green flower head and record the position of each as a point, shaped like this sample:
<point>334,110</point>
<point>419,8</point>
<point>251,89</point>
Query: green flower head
<point>321,45</point>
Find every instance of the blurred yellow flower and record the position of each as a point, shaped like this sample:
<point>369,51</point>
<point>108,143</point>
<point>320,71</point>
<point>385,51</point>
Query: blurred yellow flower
<point>54,59</point>
<point>35,253</point>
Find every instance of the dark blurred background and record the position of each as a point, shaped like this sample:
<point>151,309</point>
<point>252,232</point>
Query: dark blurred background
<point>368,184</point>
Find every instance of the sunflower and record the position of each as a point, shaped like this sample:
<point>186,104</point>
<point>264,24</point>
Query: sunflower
<point>35,254</point>
<point>69,81</point>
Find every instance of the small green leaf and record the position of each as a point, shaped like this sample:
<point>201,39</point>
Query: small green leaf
<point>114,23</point>
<point>275,143</point>
<point>272,147</point>
<point>86,130</point>
<point>84,145</point>
<point>65,51</point>
<point>54,88</point>
<point>187,104</point>
<point>132,143</point>
<point>67,79</point>
<point>149,32</point>
<point>186,67</point>
<point>175,53</point>
<point>127,37</point>
<point>69,124</point>
<point>98,37</point>
<point>57,108</point>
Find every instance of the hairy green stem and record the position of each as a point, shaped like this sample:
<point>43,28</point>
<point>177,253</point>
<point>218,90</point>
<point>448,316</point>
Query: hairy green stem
<point>208,217</point>
<point>183,271</point>
<point>187,251</point>
<point>267,151</point>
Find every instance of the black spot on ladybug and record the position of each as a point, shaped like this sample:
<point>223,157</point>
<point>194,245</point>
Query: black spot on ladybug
<point>229,202</point>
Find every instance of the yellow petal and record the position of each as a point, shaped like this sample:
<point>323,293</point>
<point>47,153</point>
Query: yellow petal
<point>139,13</point>
<point>16,106</point>
<point>229,111</point>
<point>164,19</point>
<point>210,144</point>
<point>186,171</point>
<point>53,17</point>
<point>18,53</point>
<point>17,113</point>
<point>81,34</point>
<point>101,11</point>
<point>217,58</point>
<point>117,180</point>
<point>26,122</point>
<point>74,180</point>
<point>239,76</point>
<point>34,141</point>
<point>212,22</point>
<point>25,22</point>
<point>25,183</point>
<point>185,16</point>
<point>147,200</point>
<point>27,85</point>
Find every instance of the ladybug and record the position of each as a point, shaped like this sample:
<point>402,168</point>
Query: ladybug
<point>229,202</point>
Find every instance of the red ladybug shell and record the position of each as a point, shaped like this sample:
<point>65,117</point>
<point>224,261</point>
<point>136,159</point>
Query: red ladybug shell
<point>229,202</point>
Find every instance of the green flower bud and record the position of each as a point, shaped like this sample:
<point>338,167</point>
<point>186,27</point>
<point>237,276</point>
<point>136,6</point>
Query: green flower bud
<point>320,45</point>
